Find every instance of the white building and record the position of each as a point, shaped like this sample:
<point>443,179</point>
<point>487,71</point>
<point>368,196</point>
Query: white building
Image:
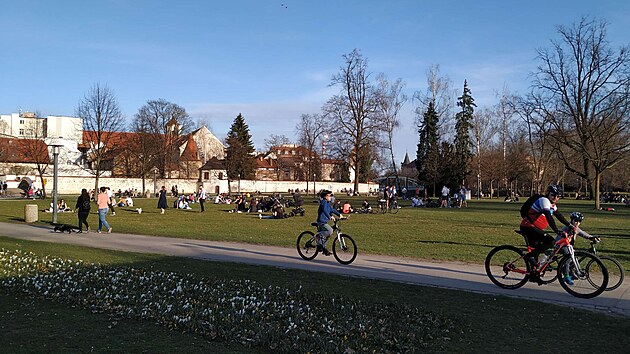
<point>28,125</point>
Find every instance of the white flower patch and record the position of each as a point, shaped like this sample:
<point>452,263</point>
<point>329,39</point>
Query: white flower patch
<point>237,311</point>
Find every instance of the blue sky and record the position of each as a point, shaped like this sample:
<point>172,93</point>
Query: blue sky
<point>270,60</point>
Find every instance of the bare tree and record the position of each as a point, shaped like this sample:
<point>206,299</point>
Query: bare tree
<point>353,111</point>
<point>101,119</point>
<point>275,140</point>
<point>505,112</point>
<point>35,147</point>
<point>310,130</point>
<point>440,92</point>
<point>390,102</point>
<point>539,144</point>
<point>583,86</point>
<point>167,122</point>
<point>483,132</point>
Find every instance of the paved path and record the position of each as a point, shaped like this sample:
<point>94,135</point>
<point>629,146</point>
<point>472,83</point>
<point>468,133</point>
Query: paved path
<point>450,275</point>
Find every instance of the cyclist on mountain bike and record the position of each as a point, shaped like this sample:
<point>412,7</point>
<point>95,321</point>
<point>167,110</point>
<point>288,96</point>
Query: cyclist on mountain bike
<point>576,219</point>
<point>324,214</point>
<point>539,216</point>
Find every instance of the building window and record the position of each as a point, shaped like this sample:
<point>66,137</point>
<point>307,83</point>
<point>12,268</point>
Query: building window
<point>206,175</point>
<point>21,121</point>
<point>21,131</point>
<point>220,175</point>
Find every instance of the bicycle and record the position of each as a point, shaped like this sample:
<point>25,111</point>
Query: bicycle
<point>507,267</point>
<point>344,249</point>
<point>393,206</point>
<point>615,270</point>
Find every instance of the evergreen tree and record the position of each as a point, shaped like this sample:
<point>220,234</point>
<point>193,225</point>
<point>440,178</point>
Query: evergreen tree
<point>463,142</point>
<point>428,154</point>
<point>239,158</point>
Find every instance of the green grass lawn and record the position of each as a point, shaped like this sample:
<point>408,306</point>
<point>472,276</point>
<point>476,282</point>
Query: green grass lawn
<point>484,323</point>
<point>441,234</point>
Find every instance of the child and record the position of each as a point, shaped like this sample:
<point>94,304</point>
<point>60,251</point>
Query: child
<point>324,214</point>
<point>574,226</point>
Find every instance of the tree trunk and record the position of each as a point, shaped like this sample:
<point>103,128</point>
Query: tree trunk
<point>596,188</point>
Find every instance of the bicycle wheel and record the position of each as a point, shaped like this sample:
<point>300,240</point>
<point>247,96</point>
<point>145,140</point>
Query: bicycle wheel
<point>306,245</point>
<point>589,279</point>
<point>344,249</point>
<point>506,267</point>
<point>383,209</point>
<point>550,274</point>
<point>615,272</point>
<point>394,208</point>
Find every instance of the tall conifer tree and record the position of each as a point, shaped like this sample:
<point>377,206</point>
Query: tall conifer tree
<point>428,154</point>
<point>463,143</point>
<point>239,158</point>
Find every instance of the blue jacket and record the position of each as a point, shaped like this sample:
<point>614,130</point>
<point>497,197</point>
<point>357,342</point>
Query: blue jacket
<point>324,212</point>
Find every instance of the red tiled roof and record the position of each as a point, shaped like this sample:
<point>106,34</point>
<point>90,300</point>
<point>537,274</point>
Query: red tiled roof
<point>190,152</point>
<point>23,150</point>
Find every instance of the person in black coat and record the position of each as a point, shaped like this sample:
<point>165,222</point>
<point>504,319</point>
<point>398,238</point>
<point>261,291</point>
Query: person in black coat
<point>83,210</point>
<point>162,200</point>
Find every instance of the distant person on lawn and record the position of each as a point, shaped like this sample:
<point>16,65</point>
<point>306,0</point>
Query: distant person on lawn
<point>162,200</point>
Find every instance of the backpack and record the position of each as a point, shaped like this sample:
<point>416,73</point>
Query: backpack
<point>528,205</point>
<point>86,205</point>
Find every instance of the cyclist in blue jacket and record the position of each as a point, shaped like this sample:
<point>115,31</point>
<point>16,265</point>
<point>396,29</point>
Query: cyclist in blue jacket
<point>325,213</point>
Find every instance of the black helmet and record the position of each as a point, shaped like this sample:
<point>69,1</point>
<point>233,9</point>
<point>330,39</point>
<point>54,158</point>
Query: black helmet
<point>554,189</point>
<point>577,216</point>
<point>324,193</point>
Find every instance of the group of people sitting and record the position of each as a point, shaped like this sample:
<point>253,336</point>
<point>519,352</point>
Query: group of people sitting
<point>125,201</point>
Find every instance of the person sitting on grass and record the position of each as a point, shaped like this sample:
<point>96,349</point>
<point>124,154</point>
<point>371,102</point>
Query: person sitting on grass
<point>182,203</point>
<point>347,208</point>
<point>366,208</point>
<point>416,202</point>
<point>129,201</point>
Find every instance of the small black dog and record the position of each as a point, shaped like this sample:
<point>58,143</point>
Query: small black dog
<point>63,228</point>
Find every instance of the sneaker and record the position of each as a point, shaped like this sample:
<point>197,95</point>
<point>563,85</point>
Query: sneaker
<point>568,280</point>
<point>99,231</point>
<point>326,252</point>
<point>534,277</point>
<point>260,216</point>
<point>113,214</point>
<point>109,231</point>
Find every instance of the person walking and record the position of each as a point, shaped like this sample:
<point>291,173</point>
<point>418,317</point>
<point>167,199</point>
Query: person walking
<point>202,197</point>
<point>444,201</point>
<point>103,207</point>
<point>162,200</point>
<point>83,210</point>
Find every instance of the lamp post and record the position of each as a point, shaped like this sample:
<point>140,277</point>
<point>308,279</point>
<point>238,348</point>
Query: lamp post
<point>155,171</point>
<point>239,183</point>
<point>314,189</point>
<point>478,186</point>
<point>55,146</point>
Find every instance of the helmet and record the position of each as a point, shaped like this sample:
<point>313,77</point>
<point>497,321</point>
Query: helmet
<point>577,216</point>
<point>324,193</point>
<point>554,189</point>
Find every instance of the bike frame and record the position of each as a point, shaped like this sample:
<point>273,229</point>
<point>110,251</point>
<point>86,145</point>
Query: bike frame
<point>558,246</point>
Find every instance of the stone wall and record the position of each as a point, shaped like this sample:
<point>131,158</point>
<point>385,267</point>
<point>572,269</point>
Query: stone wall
<point>73,185</point>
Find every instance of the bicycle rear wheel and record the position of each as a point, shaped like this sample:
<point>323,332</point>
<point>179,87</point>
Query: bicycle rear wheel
<point>589,279</point>
<point>306,245</point>
<point>394,208</point>
<point>344,249</point>
<point>506,267</point>
<point>615,272</point>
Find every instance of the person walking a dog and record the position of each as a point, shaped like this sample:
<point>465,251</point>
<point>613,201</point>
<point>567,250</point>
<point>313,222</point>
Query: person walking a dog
<point>83,210</point>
